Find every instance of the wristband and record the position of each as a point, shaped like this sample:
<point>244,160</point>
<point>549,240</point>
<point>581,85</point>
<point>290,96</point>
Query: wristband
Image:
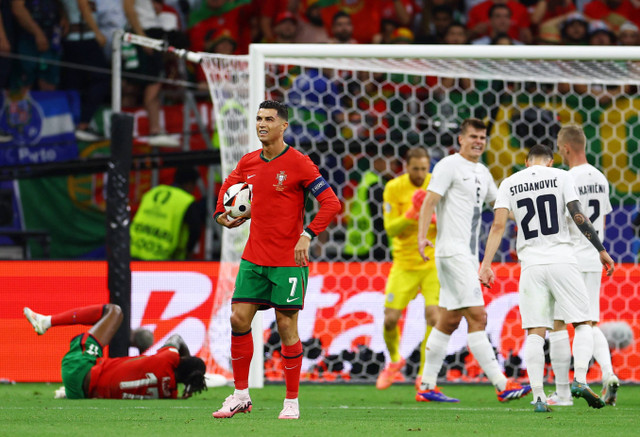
<point>306,234</point>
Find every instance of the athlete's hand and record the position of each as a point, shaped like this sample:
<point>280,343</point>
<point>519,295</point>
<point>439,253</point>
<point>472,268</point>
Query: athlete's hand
<point>607,262</point>
<point>486,276</point>
<point>301,251</point>
<point>227,221</point>
<point>423,242</point>
<point>416,202</point>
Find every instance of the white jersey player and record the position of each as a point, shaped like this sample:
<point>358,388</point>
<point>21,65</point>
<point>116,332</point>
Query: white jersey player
<point>459,187</point>
<point>593,191</point>
<point>537,197</point>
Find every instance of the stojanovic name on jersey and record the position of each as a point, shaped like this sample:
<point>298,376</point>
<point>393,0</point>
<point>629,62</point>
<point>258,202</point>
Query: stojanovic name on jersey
<point>533,186</point>
<point>591,189</point>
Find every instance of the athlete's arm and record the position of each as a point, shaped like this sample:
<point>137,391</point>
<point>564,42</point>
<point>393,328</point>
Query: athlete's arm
<point>426,214</point>
<point>587,229</point>
<point>176,341</point>
<point>493,242</point>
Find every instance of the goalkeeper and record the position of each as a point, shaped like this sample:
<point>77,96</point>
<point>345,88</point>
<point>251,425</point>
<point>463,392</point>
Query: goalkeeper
<point>87,374</point>
<point>409,275</point>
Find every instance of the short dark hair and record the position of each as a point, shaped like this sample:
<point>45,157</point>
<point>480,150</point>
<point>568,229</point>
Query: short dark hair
<point>283,110</point>
<point>338,15</point>
<point>540,150</point>
<point>185,175</point>
<point>475,123</point>
<point>191,372</point>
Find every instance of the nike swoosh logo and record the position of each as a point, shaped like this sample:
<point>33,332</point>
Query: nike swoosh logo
<point>250,176</point>
<point>235,359</point>
<point>291,300</point>
<point>466,179</point>
<point>290,368</point>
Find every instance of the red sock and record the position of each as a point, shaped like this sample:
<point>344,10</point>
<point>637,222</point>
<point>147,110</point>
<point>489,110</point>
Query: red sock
<point>241,354</point>
<point>292,357</point>
<point>79,316</point>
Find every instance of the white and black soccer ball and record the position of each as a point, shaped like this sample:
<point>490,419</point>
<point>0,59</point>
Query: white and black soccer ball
<point>237,199</point>
<point>619,335</point>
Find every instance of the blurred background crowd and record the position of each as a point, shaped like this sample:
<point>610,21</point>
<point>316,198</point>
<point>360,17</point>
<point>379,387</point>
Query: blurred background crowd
<point>78,32</point>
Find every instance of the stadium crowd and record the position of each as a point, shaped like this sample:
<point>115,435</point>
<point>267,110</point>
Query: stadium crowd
<point>80,32</point>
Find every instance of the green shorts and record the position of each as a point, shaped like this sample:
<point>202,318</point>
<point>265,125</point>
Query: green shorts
<point>82,356</point>
<point>282,288</point>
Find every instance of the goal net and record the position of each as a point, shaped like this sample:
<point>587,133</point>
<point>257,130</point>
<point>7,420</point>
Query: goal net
<point>356,110</point>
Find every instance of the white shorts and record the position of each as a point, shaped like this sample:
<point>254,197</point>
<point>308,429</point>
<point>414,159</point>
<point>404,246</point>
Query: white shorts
<point>546,288</point>
<point>459,283</point>
<point>592,281</point>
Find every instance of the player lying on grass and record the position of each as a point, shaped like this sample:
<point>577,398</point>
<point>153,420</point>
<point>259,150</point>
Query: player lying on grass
<point>87,374</point>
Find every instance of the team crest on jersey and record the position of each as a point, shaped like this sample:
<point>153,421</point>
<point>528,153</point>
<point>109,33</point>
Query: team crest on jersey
<point>280,177</point>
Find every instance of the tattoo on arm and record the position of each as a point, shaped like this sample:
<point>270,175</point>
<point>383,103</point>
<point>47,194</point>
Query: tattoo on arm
<point>584,225</point>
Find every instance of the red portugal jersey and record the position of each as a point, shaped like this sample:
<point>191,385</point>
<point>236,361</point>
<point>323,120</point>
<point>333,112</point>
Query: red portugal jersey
<point>280,187</point>
<point>143,377</point>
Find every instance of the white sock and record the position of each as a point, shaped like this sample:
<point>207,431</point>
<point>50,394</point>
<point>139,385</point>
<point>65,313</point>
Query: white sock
<point>294,401</point>
<point>602,354</point>
<point>582,351</point>
<point>47,322</point>
<point>243,394</point>
<point>435,352</point>
<point>534,358</point>
<point>482,350</point>
<point>560,353</point>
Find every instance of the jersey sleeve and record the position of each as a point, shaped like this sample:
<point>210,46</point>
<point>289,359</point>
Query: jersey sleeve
<point>569,189</point>
<point>315,184</point>
<point>502,196</point>
<point>235,177</point>
<point>492,192</point>
<point>441,178</point>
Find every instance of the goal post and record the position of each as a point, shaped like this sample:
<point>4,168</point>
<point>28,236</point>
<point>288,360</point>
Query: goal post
<point>356,109</point>
<point>369,99</point>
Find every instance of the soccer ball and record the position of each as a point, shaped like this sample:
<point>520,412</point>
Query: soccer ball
<point>237,199</point>
<point>618,334</point>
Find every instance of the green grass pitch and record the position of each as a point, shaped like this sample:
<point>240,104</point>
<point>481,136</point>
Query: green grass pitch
<point>326,410</point>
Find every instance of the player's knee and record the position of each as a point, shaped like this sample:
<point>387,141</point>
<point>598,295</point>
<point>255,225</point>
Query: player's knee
<point>390,322</point>
<point>239,323</point>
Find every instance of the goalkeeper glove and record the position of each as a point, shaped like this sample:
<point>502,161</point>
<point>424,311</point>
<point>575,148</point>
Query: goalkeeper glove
<point>416,203</point>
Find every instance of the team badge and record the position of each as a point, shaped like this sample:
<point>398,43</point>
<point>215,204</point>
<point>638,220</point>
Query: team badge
<point>280,177</point>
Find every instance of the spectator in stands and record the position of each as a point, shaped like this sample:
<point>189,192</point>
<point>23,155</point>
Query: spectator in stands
<point>311,29</point>
<point>40,28</point>
<point>575,30</point>
<point>600,34</point>
<point>499,23</point>
<point>342,29</point>
<point>267,16</point>
<point>286,28</point>
<point>545,11</point>
<point>143,20</point>
<point>628,35</point>
<point>83,45</point>
<point>613,12</point>
<point>168,222</point>
<point>479,24</point>
<point>456,33</point>
<point>238,17</point>
<point>441,18</point>
<point>109,17</point>
<point>387,27</point>
<point>503,39</point>
<point>365,17</point>
<point>399,11</point>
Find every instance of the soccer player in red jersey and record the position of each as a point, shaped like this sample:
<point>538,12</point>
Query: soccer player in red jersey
<point>87,374</point>
<point>274,268</point>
